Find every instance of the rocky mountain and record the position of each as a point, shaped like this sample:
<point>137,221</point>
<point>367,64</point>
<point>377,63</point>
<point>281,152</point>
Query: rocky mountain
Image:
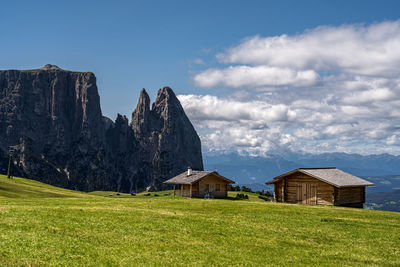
<point>52,119</point>
<point>167,131</point>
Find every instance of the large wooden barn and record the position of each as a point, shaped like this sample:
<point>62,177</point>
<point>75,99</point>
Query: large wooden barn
<point>199,183</point>
<point>329,186</point>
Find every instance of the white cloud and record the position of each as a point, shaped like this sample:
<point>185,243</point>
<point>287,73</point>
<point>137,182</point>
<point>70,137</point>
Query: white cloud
<point>240,76</point>
<point>324,90</point>
<point>212,108</point>
<point>357,49</point>
<point>258,126</point>
<point>338,129</point>
<point>306,133</point>
<point>393,140</point>
<point>372,95</point>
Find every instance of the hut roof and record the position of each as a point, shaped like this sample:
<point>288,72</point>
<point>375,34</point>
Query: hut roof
<point>196,176</point>
<point>331,176</point>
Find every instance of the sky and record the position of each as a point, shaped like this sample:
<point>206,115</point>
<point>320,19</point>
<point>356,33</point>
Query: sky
<point>254,77</point>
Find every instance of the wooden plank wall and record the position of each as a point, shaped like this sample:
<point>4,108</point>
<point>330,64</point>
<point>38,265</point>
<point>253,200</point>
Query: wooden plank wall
<point>325,192</point>
<point>212,181</point>
<point>306,193</point>
<point>347,195</point>
<point>278,191</point>
<point>195,190</point>
<point>185,191</point>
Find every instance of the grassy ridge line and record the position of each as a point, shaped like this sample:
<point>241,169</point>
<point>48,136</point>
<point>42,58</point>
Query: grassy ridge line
<point>17,187</point>
<point>91,230</point>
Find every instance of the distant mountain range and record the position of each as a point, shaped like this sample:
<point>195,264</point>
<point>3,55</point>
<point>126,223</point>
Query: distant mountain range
<point>383,170</point>
<point>258,170</point>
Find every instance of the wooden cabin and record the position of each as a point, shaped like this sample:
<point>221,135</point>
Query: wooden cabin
<point>199,183</point>
<point>315,186</point>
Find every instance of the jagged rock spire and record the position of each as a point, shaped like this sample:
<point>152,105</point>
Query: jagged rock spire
<point>167,106</point>
<point>141,115</point>
<point>166,136</point>
<point>166,97</point>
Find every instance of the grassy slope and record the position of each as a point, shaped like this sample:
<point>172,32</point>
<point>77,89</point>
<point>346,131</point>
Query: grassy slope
<point>44,225</point>
<point>25,188</point>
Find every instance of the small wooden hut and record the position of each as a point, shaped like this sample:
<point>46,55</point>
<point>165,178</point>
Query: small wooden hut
<point>199,183</point>
<point>328,186</point>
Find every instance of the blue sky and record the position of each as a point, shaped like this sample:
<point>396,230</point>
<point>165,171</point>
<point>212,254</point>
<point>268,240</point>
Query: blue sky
<point>134,44</point>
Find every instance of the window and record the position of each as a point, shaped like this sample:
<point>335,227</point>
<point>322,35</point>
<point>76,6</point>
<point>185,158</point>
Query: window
<point>217,187</point>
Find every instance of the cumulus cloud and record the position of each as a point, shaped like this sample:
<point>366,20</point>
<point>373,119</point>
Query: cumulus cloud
<point>212,108</point>
<point>372,95</point>
<point>393,140</point>
<point>239,76</point>
<point>324,90</point>
<point>357,49</point>
<point>259,126</point>
<point>306,133</point>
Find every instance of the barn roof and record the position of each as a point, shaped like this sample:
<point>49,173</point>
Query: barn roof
<point>196,176</point>
<point>331,176</point>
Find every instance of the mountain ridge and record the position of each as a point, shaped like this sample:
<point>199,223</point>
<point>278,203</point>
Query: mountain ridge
<point>263,168</point>
<point>52,119</point>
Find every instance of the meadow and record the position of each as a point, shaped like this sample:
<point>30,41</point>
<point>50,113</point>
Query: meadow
<point>42,225</point>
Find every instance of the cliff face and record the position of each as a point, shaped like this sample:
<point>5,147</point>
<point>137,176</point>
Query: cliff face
<point>52,118</point>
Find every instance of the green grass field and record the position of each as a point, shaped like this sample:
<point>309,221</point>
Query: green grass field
<point>44,225</point>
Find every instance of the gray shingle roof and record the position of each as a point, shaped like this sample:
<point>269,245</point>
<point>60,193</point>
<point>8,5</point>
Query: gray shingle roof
<point>196,176</point>
<point>331,176</point>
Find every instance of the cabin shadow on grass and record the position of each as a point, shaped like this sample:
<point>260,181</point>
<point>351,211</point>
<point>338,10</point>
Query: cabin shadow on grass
<point>234,198</point>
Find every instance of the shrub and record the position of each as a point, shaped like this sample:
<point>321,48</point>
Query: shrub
<point>242,196</point>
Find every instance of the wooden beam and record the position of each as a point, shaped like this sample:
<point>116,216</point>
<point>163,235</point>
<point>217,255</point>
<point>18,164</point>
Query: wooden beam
<point>363,194</point>
<point>181,186</point>
<point>283,190</point>
<point>190,190</point>
<point>174,190</point>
